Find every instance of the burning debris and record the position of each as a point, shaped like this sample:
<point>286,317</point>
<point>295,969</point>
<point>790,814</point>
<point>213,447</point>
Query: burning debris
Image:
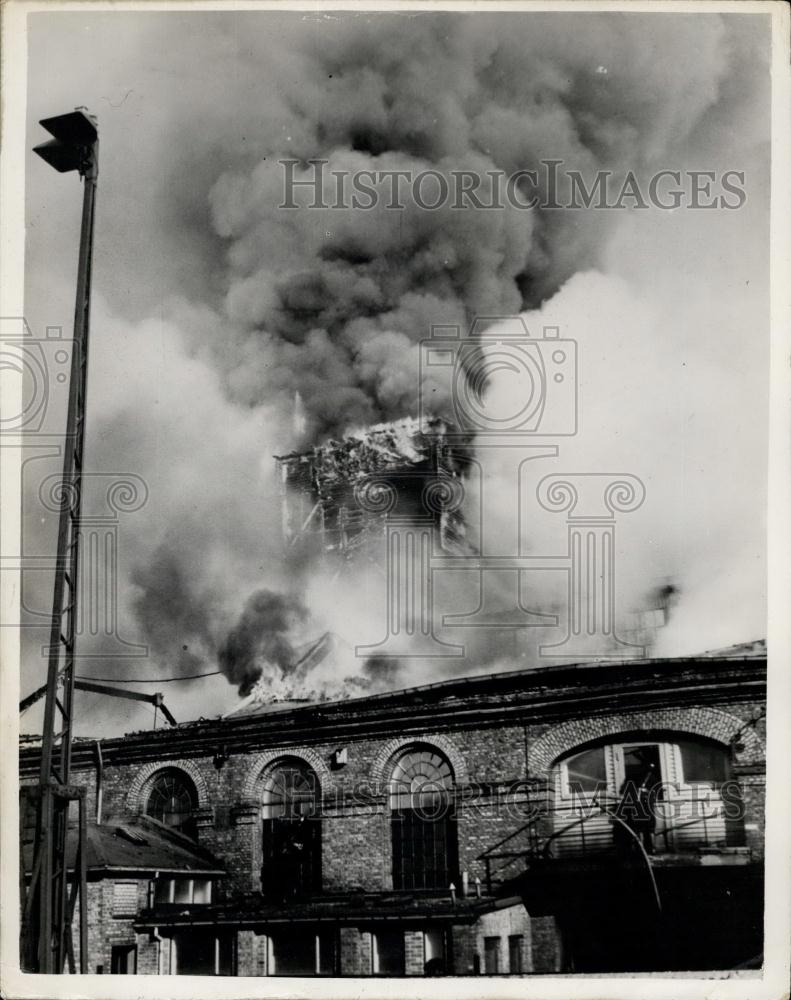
<point>261,636</point>
<point>343,490</point>
<point>310,677</point>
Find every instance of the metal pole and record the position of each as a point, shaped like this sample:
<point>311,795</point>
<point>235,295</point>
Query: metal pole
<point>47,905</point>
<point>82,874</point>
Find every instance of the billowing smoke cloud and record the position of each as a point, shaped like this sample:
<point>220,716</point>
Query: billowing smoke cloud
<point>261,637</point>
<point>216,307</point>
<point>330,302</point>
<point>176,616</point>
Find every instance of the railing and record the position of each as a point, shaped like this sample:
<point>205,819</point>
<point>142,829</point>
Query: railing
<point>596,831</point>
<point>529,830</point>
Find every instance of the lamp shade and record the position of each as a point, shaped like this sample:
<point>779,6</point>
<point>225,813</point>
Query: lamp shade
<point>74,141</point>
<point>75,128</point>
<point>60,155</point>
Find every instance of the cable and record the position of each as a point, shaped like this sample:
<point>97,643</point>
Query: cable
<point>148,680</point>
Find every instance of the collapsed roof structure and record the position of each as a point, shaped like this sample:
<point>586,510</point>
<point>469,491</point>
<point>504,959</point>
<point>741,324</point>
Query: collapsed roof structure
<point>341,491</point>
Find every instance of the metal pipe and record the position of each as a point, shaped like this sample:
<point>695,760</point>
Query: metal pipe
<point>99,775</point>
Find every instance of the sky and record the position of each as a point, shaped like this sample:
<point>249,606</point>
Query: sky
<point>213,307</point>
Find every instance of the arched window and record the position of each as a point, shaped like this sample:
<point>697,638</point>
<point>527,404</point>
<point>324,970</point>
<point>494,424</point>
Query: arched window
<point>291,842</point>
<point>172,799</point>
<point>670,789</point>
<point>423,822</point>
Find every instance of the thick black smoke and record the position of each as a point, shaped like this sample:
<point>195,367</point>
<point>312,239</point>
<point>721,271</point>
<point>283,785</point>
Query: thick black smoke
<point>261,637</point>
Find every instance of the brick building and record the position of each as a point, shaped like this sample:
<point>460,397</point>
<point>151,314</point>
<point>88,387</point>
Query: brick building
<point>467,826</point>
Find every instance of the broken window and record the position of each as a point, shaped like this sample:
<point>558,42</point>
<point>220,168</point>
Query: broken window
<point>180,890</point>
<point>291,843</point>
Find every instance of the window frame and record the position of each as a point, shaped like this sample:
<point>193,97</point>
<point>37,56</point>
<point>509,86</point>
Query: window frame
<point>565,781</point>
<point>424,838</point>
<point>278,831</point>
<point>189,788</point>
<point>126,949</point>
<point>675,795</point>
<point>170,883</point>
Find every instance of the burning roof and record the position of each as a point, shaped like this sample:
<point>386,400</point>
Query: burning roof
<point>342,489</point>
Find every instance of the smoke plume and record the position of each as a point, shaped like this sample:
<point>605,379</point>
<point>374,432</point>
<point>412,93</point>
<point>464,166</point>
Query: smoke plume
<point>261,637</point>
<point>330,303</point>
<point>217,309</point>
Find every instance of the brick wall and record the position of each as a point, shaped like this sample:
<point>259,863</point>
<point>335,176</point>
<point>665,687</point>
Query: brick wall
<point>546,953</point>
<point>414,961</point>
<point>351,957</point>
<point>105,929</point>
<point>502,773</point>
<point>492,762</point>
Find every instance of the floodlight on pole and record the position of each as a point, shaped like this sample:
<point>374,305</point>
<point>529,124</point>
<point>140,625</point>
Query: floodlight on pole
<point>73,144</point>
<point>50,902</point>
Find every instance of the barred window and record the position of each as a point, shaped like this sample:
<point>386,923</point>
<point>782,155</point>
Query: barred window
<point>423,824</point>
<point>422,779</point>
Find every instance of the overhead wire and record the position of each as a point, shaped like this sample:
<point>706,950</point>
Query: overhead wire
<point>148,680</point>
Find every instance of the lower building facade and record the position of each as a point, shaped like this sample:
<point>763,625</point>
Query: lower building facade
<point>599,817</point>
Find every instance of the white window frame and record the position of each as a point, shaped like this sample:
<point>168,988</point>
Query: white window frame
<point>676,790</point>
<point>666,760</point>
<point>171,884</point>
<point>568,797</point>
